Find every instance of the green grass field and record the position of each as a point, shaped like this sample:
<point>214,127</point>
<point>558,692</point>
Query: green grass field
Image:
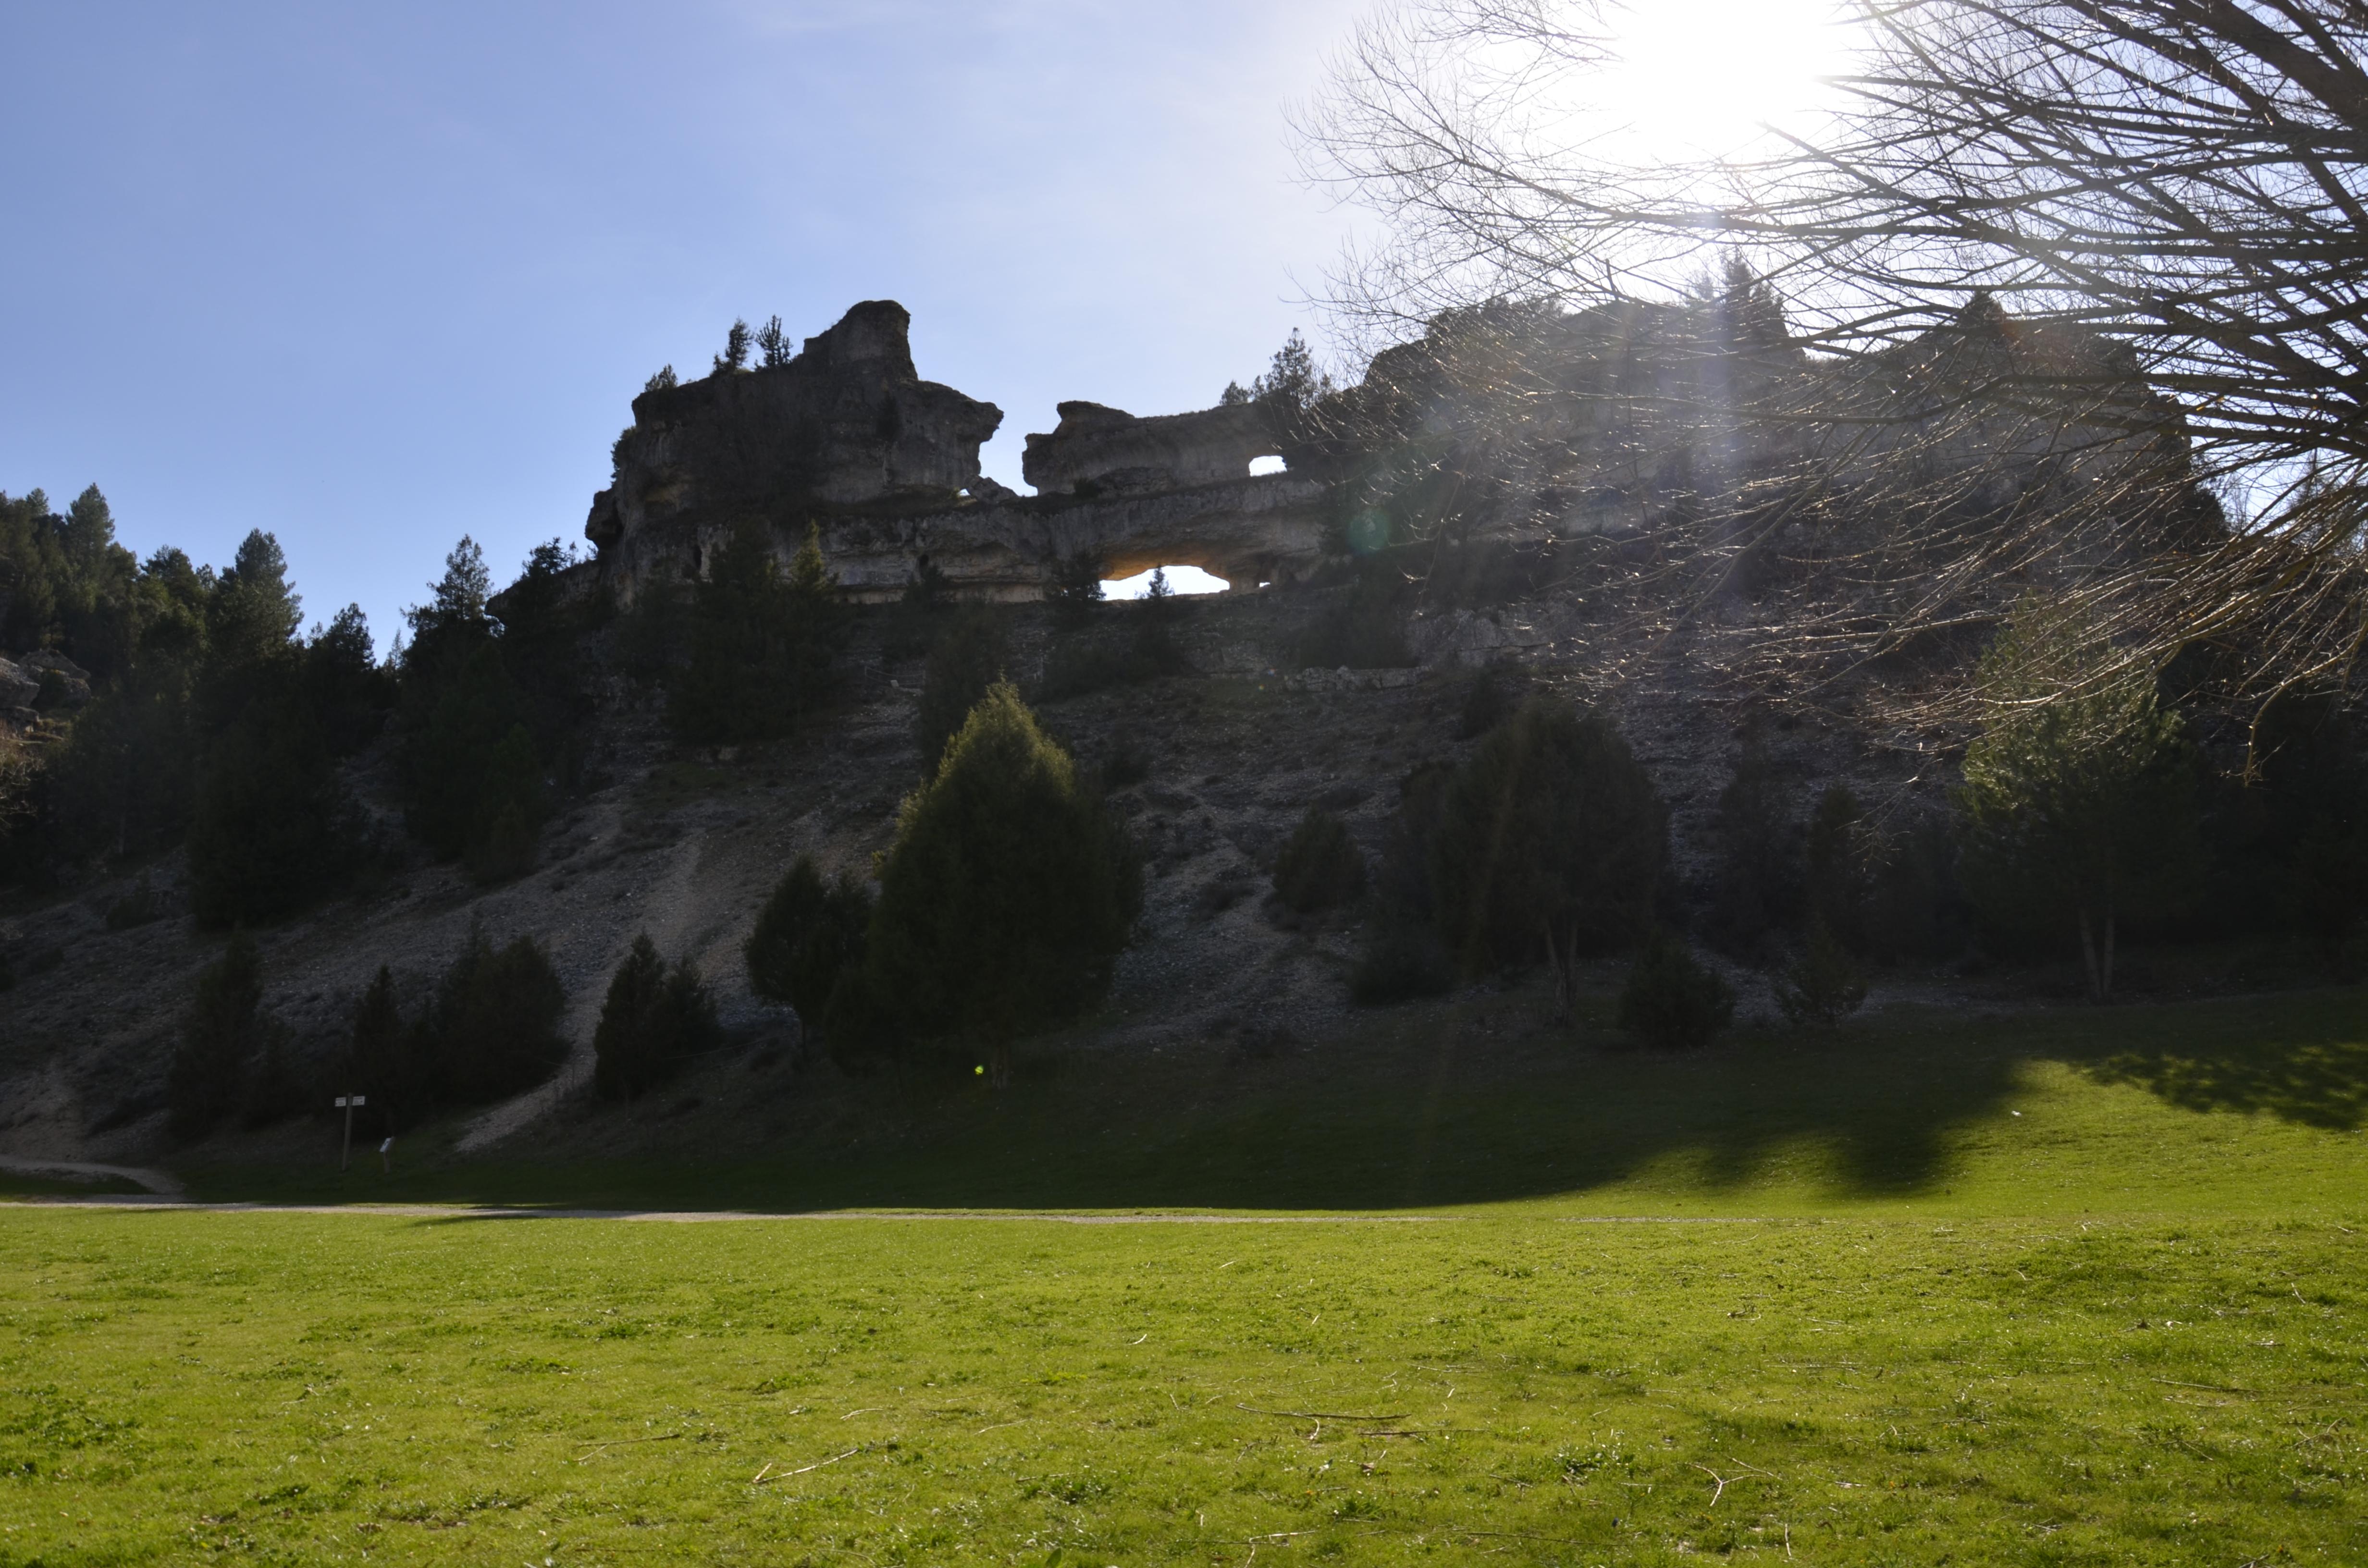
<point>1893,1323</point>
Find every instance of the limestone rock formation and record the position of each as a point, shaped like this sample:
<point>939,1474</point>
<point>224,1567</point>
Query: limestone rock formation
<point>72,681</point>
<point>847,437</point>
<point>19,688</point>
<point>1096,449</point>
<point>1623,421</point>
<point>847,425</point>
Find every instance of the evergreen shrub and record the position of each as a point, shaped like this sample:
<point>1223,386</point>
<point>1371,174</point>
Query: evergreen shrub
<point>1320,866</point>
<point>1824,985</point>
<point>809,937</point>
<point>1006,896</point>
<point>1672,1001</point>
<point>653,1021</point>
<point>221,1034</point>
<point>1549,841</point>
<point>1399,959</point>
<point>967,658</point>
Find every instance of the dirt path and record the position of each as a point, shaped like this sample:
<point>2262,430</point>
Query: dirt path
<point>702,1216</point>
<point>162,1183</point>
<point>665,910</point>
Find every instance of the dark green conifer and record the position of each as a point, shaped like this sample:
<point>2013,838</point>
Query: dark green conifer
<point>1007,896</point>
<point>652,1023</point>
<point>967,658</point>
<point>1670,1001</point>
<point>220,1036</point>
<point>493,1030</point>
<point>1320,865</point>
<point>810,934</point>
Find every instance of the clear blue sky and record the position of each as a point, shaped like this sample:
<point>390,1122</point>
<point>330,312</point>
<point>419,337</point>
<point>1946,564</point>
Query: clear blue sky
<point>373,276</point>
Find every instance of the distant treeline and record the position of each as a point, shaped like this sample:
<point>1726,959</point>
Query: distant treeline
<point>202,714</point>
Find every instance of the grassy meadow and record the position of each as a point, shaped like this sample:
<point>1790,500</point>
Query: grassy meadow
<point>2078,1288</point>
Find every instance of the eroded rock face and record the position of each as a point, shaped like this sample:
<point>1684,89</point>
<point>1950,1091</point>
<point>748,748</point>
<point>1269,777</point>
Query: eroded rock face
<point>1512,422</point>
<point>1096,449</point>
<point>848,424</point>
<point>848,438</point>
<point>1248,531</point>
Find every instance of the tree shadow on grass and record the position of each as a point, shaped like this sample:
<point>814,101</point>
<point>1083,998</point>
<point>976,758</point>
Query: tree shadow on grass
<point>1427,1106</point>
<point>2318,1079</point>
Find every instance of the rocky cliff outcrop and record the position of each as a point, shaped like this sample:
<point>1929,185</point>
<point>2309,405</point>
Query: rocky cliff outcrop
<point>1621,421</point>
<point>1096,449</point>
<point>847,438</point>
<point>847,425</point>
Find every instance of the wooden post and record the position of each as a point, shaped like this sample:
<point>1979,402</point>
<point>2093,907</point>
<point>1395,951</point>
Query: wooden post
<point>347,1103</point>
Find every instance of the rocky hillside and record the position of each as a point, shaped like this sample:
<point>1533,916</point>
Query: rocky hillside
<point>684,846</point>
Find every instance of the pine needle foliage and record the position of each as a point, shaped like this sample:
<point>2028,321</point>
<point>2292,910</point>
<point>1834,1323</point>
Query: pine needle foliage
<point>1320,866</point>
<point>2078,802</point>
<point>809,938</point>
<point>1670,1001</point>
<point>1550,840</point>
<point>654,1021</point>
<point>1007,894</point>
<point>220,1036</point>
<point>1824,985</point>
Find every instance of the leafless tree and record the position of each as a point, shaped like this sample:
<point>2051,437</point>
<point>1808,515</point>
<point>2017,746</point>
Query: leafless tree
<point>2160,204</point>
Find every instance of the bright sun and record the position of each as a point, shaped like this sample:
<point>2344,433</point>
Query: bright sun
<point>1699,77</point>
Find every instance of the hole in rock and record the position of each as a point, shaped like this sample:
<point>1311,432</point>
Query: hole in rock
<point>1182,579</point>
<point>1260,467</point>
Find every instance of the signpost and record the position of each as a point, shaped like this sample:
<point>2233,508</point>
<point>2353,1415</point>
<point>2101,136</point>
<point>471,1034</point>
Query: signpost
<point>347,1103</point>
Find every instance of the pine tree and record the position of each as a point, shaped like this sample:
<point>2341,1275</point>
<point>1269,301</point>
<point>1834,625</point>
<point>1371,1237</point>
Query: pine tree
<point>1550,839</point>
<point>2079,800</point>
<point>734,356</point>
<point>651,1022</point>
<point>966,660</point>
<point>1076,587</point>
<point>461,712</point>
<point>1292,381</point>
<point>1320,865</point>
<point>383,1060</point>
<point>220,1036</point>
<point>1841,852</point>
<point>775,344</point>
<point>510,809</point>
<point>273,828</point>
<point>1760,878</point>
<point>1007,896</point>
<point>761,646</point>
<point>493,1030</point>
<point>808,938</point>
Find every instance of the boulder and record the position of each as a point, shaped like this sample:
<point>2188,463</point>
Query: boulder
<point>1096,449</point>
<point>18,688</point>
<point>72,681</point>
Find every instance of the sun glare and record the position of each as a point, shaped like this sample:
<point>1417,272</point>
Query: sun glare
<point>1699,77</point>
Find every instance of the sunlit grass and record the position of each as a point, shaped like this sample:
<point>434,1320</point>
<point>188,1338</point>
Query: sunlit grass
<point>2080,1287</point>
<point>286,1388</point>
